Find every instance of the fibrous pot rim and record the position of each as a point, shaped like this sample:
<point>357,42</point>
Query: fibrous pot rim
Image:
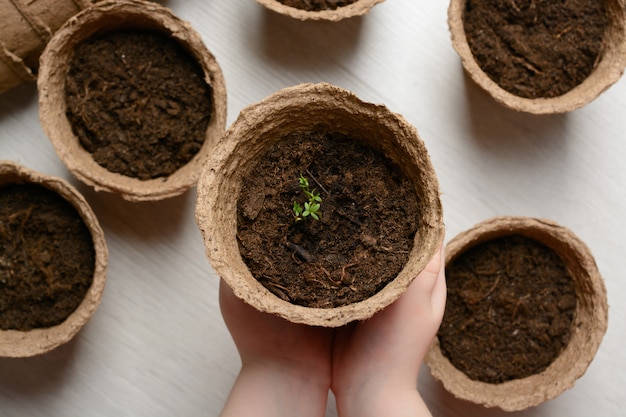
<point>608,71</point>
<point>302,108</point>
<point>588,326</point>
<point>107,16</point>
<point>16,343</point>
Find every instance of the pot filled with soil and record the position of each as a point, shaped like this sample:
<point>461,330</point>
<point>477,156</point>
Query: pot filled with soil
<point>329,10</point>
<point>525,314</point>
<point>319,207</point>
<point>540,56</point>
<point>53,260</point>
<point>131,99</point>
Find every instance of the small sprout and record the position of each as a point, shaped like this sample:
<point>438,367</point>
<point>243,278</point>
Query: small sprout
<point>297,210</point>
<point>311,210</point>
<point>312,206</point>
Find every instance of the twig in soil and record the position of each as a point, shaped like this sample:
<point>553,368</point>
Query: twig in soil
<point>526,64</point>
<point>343,273</point>
<point>279,291</point>
<point>563,32</point>
<point>518,305</point>
<point>320,282</point>
<point>317,182</point>
<point>491,290</point>
<point>304,254</point>
<point>333,283</point>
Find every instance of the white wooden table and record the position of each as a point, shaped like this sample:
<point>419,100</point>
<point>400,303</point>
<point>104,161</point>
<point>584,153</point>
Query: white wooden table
<point>157,345</point>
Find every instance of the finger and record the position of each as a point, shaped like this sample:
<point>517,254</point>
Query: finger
<point>438,296</point>
<point>428,283</point>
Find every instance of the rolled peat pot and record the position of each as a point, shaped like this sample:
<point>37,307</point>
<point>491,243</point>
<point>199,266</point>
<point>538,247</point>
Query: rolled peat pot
<point>586,326</point>
<point>517,30</point>
<point>30,338</point>
<point>13,71</point>
<point>25,28</point>
<point>356,8</point>
<point>108,18</point>
<point>300,110</point>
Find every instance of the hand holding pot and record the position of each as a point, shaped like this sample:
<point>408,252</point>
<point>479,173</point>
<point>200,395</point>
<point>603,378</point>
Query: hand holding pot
<point>371,366</point>
<point>285,367</point>
<point>376,362</point>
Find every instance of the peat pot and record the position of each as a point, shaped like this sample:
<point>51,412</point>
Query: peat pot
<point>125,124</point>
<point>525,315</point>
<point>540,57</point>
<point>53,262</point>
<point>26,27</point>
<point>304,111</point>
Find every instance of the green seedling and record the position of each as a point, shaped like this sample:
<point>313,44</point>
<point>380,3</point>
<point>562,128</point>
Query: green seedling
<point>310,208</point>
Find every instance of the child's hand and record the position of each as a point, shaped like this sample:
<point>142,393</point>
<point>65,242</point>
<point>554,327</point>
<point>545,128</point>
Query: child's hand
<point>286,367</point>
<point>376,362</point>
<point>371,366</point>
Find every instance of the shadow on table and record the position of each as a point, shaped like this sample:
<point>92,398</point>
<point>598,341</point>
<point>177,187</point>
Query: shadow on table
<point>37,375</point>
<point>147,221</point>
<point>501,129</point>
<point>444,403</point>
<point>17,99</point>
<point>303,45</point>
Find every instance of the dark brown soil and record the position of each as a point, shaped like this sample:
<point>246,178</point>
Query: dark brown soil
<point>317,5</point>
<point>509,312</point>
<point>47,258</point>
<point>536,48</point>
<point>138,102</point>
<point>362,241</point>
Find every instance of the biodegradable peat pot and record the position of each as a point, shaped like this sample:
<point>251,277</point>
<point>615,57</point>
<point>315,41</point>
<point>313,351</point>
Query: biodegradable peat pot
<point>356,8</point>
<point>26,28</point>
<point>302,109</point>
<point>605,70</point>
<point>109,18</point>
<point>30,338</point>
<point>586,306</point>
<point>13,71</point>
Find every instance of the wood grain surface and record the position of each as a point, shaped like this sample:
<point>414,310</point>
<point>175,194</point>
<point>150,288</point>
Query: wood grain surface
<point>157,346</point>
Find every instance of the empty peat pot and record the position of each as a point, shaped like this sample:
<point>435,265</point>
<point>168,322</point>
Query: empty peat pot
<point>296,132</point>
<point>525,315</point>
<point>131,99</point>
<point>53,261</point>
<point>320,9</point>
<point>540,57</point>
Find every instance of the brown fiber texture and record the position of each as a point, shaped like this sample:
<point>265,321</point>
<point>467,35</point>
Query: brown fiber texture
<point>357,8</point>
<point>25,29</point>
<point>589,323</point>
<point>13,71</point>
<point>608,70</point>
<point>303,108</point>
<point>15,343</point>
<point>109,16</point>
